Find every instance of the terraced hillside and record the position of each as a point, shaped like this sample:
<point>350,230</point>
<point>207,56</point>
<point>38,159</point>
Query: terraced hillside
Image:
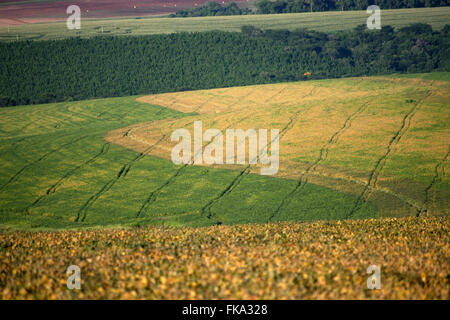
<point>353,148</point>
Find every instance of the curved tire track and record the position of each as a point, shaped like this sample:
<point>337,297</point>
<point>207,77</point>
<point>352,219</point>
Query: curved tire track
<point>379,165</point>
<point>439,173</point>
<point>206,210</point>
<point>82,212</point>
<point>322,156</point>
<point>154,194</point>
<point>68,174</point>
<point>43,157</point>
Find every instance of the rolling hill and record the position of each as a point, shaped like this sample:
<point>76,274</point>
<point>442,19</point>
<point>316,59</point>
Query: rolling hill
<point>349,148</point>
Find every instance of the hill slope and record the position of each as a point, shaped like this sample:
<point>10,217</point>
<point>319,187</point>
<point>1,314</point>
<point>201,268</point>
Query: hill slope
<point>353,148</point>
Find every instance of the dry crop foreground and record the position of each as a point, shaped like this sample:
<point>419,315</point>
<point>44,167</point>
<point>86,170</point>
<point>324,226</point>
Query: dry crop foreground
<point>270,261</point>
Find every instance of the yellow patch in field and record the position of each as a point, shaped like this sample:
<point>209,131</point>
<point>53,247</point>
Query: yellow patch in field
<point>344,134</point>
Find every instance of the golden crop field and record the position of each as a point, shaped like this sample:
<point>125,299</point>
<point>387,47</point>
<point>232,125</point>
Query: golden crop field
<point>384,139</point>
<point>320,260</point>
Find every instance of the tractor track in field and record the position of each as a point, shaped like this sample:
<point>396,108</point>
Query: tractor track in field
<point>89,118</point>
<point>159,112</point>
<point>81,114</point>
<point>206,210</point>
<point>112,116</point>
<point>18,173</point>
<point>439,173</point>
<point>154,194</point>
<point>379,164</point>
<point>13,147</point>
<point>241,98</point>
<point>276,94</point>
<point>82,212</point>
<point>28,124</point>
<point>203,104</point>
<point>52,189</point>
<point>323,155</point>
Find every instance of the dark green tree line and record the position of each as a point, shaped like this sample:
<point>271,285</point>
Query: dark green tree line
<point>212,9</point>
<point>290,6</point>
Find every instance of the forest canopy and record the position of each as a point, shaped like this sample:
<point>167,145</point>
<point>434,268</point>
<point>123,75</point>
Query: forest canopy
<point>291,6</point>
<point>212,9</point>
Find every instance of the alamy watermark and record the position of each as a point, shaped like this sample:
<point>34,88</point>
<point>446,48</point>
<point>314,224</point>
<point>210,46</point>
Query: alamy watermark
<point>74,20</point>
<point>374,280</point>
<point>374,21</point>
<point>74,279</point>
<point>235,147</point>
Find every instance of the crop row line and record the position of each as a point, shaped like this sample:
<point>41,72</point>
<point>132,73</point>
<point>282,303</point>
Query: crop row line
<point>82,213</point>
<point>323,154</point>
<point>18,173</point>
<point>237,180</point>
<point>68,174</point>
<point>154,194</point>
<point>379,165</point>
<point>206,210</point>
<point>439,173</point>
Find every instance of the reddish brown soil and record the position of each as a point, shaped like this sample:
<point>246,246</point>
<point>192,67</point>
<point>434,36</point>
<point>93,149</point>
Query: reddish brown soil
<point>20,13</point>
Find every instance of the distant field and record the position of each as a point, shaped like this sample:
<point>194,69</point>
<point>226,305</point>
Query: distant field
<point>349,148</point>
<point>321,21</point>
<point>33,11</point>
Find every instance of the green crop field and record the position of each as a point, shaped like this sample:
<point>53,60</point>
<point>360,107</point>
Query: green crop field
<point>321,21</point>
<point>64,165</point>
<point>58,172</point>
